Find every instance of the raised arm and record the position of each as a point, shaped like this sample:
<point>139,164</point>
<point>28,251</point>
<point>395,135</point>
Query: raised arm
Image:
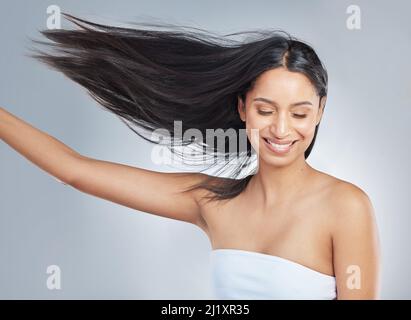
<point>149,191</point>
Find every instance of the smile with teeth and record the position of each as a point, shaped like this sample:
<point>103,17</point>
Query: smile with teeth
<point>280,148</point>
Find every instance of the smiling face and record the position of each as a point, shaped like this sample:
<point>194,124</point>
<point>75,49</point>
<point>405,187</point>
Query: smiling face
<point>284,107</point>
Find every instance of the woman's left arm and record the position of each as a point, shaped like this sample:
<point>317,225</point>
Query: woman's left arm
<point>356,247</point>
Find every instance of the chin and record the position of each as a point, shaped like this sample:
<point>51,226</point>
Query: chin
<point>280,161</point>
<point>276,162</point>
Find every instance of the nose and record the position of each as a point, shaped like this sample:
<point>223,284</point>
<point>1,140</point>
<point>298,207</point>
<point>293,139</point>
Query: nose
<point>280,126</point>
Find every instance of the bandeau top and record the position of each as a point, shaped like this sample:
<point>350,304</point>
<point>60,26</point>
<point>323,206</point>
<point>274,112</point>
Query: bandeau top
<point>241,274</point>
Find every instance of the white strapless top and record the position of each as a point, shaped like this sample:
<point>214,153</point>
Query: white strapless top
<point>241,274</point>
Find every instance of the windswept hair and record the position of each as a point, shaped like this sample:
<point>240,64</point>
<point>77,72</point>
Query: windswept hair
<point>150,78</point>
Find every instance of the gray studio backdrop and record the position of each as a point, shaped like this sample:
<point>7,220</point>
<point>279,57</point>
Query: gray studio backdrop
<point>104,250</point>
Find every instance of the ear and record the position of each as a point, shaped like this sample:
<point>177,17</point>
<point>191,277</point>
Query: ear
<point>241,108</point>
<point>321,109</point>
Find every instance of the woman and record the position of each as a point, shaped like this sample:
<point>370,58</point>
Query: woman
<point>286,231</point>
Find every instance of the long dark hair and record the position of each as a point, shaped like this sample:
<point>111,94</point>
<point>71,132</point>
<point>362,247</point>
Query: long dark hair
<point>150,78</point>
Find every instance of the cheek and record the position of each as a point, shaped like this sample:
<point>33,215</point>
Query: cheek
<point>255,124</point>
<point>305,128</point>
<point>253,130</point>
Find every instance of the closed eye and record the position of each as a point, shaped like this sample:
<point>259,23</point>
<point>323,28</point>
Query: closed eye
<point>296,115</point>
<point>300,116</point>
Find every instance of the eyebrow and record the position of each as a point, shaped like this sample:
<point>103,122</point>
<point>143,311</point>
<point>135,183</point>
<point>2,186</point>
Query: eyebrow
<point>275,104</point>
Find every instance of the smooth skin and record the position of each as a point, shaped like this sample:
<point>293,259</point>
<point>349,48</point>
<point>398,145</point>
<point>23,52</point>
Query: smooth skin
<point>288,209</point>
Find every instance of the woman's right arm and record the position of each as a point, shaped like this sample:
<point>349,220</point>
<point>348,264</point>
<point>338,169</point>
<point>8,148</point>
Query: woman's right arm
<point>43,150</point>
<point>144,190</point>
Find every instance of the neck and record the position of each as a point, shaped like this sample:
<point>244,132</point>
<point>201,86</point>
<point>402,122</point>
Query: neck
<point>273,184</point>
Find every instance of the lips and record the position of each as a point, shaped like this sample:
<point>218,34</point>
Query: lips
<point>279,148</point>
<point>280,142</point>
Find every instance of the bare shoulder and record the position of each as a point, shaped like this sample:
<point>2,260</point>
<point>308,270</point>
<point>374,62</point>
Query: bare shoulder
<point>340,192</point>
<point>201,194</point>
<point>355,240</point>
<point>350,205</point>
